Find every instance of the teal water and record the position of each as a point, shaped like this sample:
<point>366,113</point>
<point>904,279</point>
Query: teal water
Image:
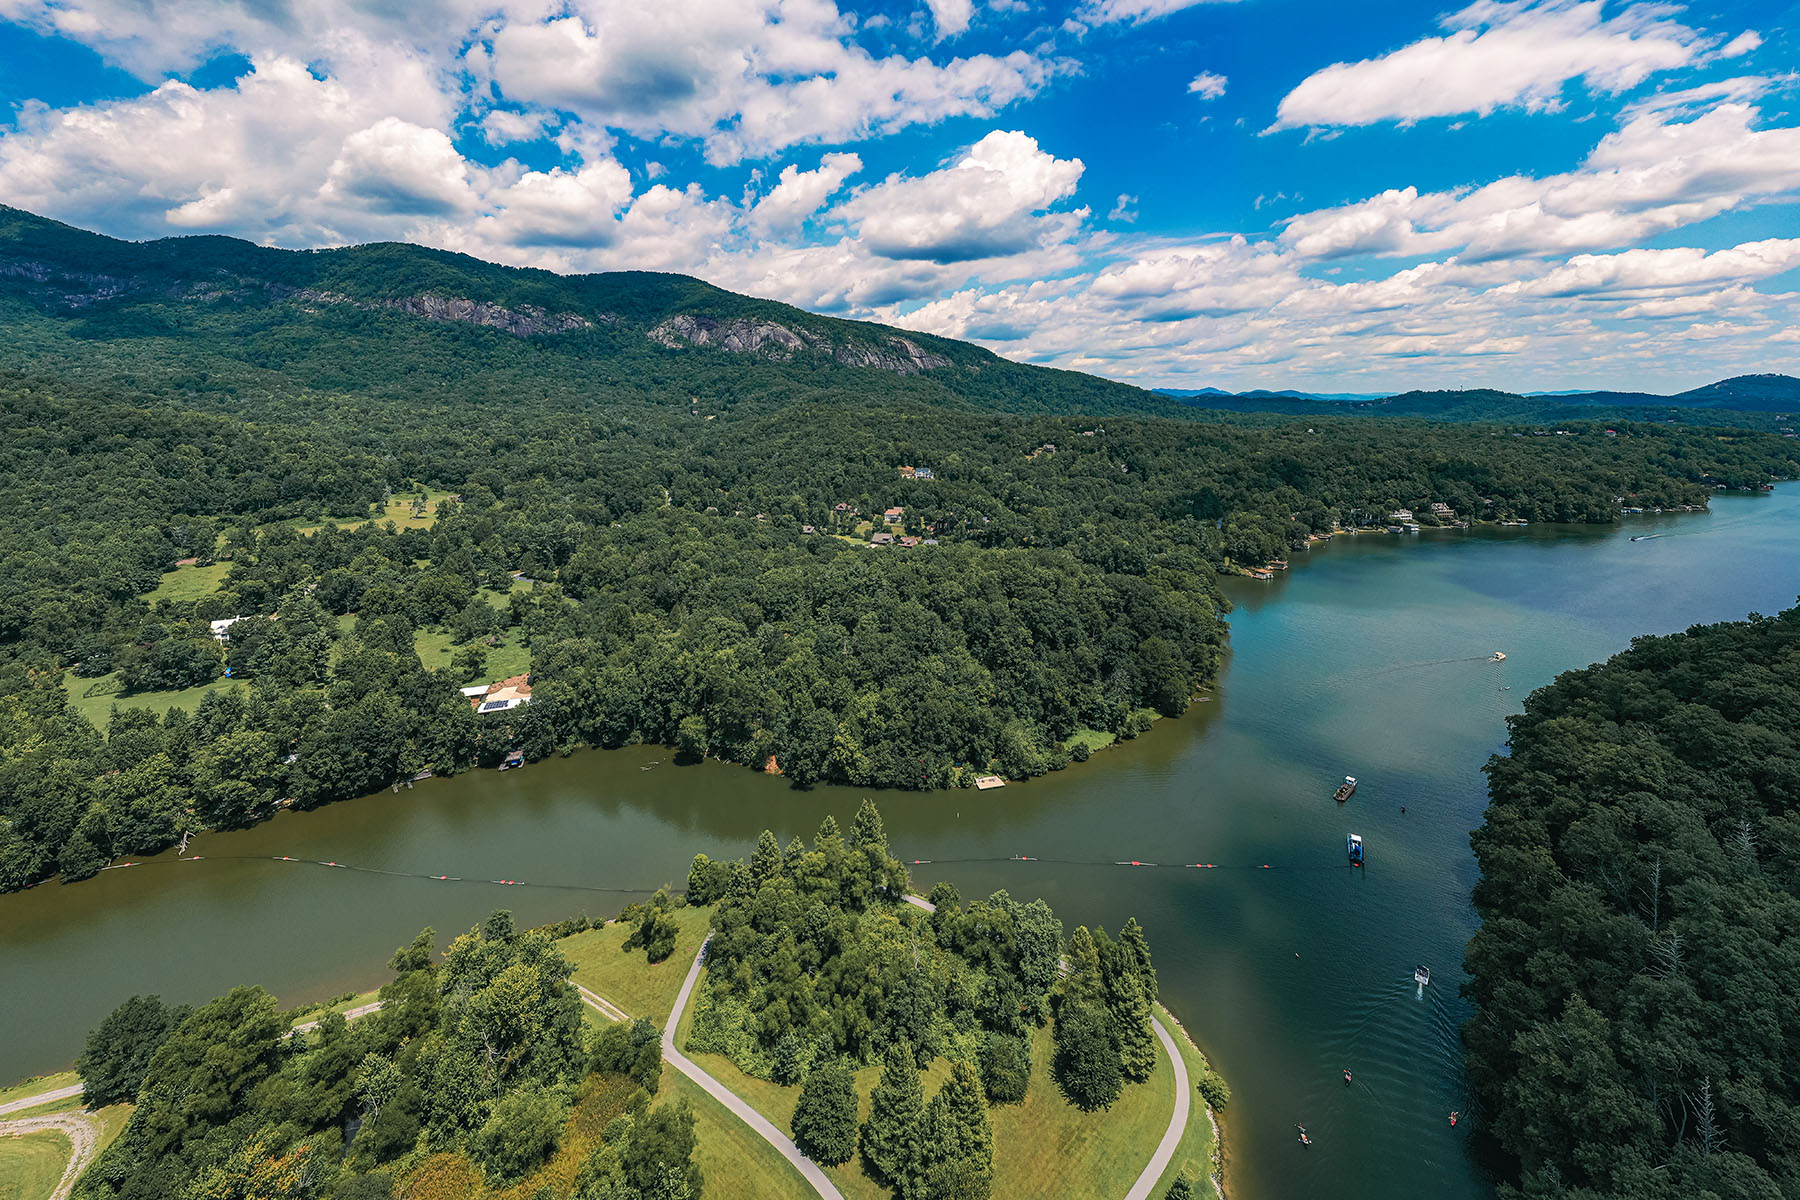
<point>1368,658</point>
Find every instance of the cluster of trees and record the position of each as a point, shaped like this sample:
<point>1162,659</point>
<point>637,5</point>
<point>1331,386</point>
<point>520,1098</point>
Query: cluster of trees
<point>480,1057</point>
<point>817,967</point>
<point>1640,879</point>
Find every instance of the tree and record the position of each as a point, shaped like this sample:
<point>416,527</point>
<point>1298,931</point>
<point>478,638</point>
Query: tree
<point>1005,1067</point>
<point>118,1051</point>
<point>659,1152</point>
<point>1128,1004</point>
<point>959,1140</point>
<point>1181,1188</point>
<point>893,1138</point>
<point>520,1134</point>
<point>631,1048</point>
<point>824,1120</point>
<point>1087,1063</point>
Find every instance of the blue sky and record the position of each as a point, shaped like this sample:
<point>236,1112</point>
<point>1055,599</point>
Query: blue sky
<point>1260,193</point>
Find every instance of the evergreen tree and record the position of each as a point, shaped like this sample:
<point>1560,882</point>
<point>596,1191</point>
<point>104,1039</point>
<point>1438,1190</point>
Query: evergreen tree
<point>825,1116</point>
<point>1087,1062</point>
<point>1131,937</point>
<point>893,1138</point>
<point>1128,1004</point>
<point>788,1059</point>
<point>959,1140</point>
<point>866,831</point>
<point>1182,1188</point>
<point>765,863</point>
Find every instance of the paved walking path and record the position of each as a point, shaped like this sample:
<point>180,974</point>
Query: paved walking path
<point>1171,1139</point>
<point>350,1014</point>
<point>808,1169</point>
<point>42,1098</point>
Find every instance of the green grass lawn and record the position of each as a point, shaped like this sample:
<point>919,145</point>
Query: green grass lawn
<point>735,1161</point>
<point>624,977</point>
<point>1096,739</point>
<point>32,1163</point>
<point>511,657</point>
<point>1194,1156</point>
<point>189,583</point>
<point>41,1083</point>
<point>1044,1148</point>
<point>94,698</point>
<point>399,511</point>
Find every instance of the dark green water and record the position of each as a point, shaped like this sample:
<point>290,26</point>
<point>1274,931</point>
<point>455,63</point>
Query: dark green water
<point>1367,659</point>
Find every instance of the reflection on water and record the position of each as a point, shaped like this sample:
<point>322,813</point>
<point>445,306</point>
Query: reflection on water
<point>1372,657</point>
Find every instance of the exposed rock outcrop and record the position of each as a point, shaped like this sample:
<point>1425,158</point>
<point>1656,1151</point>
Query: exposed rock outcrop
<point>741,336</point>
<point>898,354</point>
<point>746,335</point>
<point>527,320</point>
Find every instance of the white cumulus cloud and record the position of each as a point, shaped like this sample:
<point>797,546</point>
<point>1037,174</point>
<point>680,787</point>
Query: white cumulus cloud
<point>1497,55</point>
<point>1207,85</point>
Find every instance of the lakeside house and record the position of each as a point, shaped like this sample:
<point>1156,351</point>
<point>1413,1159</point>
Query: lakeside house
<point>909,541</point>
<point>1440,509</point>
<point>500,696</point>
<point>1401,514</point>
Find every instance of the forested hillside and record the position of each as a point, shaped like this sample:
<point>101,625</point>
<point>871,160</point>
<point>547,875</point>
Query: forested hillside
<point>1636,967</point>
<point>817,551</point>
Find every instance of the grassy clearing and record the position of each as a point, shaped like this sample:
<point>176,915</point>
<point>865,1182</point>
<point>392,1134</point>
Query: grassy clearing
<point>37,1084</point>
<point>1094,739</point>
<point>1044,1148</point>
<point>734,1160</point>
<point>400,510</point>
<point>31,1164</point>
<point>189,583</point>
<point>1194,1157</point>
<point>624,978</point>
<point>510,657</point>
<point>94,698</point>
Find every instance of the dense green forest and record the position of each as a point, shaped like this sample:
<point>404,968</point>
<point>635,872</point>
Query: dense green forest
<point>479,1059</point>
<point>478,1068</point>
<point>1635,970</point>
<point>658,500</point>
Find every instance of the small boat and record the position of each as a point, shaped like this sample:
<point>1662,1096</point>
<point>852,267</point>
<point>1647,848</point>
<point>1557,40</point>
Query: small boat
<point>1306,1141</point>
<point>1353,845</point>
<point>1345,789</point>
<point>1498,657</point>
<point>1421,975</point>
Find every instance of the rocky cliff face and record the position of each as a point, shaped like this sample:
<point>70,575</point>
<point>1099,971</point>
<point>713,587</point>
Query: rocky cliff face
<point>527,320</point>
<point>742,336</point>
<point>746,335</point>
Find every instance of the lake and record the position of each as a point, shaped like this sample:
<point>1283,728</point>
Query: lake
<point>1371,657</point>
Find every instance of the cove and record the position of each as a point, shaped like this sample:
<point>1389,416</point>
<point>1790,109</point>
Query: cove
<point>1370,658</point>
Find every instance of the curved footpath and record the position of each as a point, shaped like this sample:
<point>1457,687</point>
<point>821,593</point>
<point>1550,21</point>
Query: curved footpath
<point>1171,1139</point>
<point>81,1128</point>
<point>808,1169</point>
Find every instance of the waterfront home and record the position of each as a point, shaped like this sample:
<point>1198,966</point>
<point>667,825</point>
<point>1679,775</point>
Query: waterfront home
<point>1401,514</point>
<point>501,695</point>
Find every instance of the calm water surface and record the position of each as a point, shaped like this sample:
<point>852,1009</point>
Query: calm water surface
<point>1368,658</point>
